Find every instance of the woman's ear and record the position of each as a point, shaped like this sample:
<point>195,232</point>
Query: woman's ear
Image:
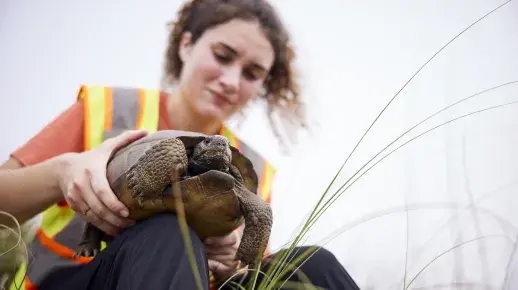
<point>184,50</point>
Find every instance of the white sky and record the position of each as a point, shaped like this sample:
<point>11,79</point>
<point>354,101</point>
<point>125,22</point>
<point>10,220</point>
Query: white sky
<point>354,56</point>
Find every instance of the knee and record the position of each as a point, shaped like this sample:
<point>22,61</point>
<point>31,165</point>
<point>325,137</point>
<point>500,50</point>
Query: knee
<point>154,248</point>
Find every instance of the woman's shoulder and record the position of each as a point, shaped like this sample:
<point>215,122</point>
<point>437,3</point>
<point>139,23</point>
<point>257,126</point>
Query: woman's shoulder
<point>61,135</point>
<point>65,133</point>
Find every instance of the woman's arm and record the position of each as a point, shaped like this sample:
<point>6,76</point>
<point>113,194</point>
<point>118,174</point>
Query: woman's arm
<point>55,168</point>
<point>29,179</point>
<point>27,191</point>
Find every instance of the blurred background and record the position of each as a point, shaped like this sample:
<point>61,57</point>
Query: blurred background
<point>353,56</point>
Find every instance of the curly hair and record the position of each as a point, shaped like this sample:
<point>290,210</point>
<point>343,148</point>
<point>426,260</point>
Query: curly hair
<point>281,91</point>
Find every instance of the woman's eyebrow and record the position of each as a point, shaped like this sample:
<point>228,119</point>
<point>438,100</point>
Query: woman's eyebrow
<point>235,52</point>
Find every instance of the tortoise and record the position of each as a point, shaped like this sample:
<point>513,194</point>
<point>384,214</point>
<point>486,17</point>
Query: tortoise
<point>216,182</point>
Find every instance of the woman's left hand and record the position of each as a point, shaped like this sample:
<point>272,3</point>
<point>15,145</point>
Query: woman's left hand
<point>221,252</point>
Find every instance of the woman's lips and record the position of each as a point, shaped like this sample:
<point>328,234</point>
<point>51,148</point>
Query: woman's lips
<point>220,100</point>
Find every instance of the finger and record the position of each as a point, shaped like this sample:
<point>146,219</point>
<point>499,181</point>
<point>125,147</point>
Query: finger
<point>214,265</point>
<point>102,189</point>
<point>85,211</point>
<point>92,218</point>
<point>228,250</point>
<point>223,241</point>
<point>239,232</point>
<point>225,258</point>
<point>123,139</point>
<point>74,198</point>
<point>97,207</point>
<point>221,269</point>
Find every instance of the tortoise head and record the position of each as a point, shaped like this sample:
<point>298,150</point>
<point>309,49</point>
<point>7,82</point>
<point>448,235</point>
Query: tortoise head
<point>212,153</point>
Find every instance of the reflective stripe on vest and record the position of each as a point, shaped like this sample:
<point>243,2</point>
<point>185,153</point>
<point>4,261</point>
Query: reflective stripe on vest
<point>124,109</point>
<point>107,113</point>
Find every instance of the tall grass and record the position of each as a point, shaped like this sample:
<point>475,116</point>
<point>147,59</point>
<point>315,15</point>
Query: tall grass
<point>13,250</point>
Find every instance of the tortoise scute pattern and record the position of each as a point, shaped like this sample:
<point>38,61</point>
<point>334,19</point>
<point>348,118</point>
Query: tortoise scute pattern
<point>153,171</point>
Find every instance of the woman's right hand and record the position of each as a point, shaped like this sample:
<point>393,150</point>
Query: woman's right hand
<point>85,186</point>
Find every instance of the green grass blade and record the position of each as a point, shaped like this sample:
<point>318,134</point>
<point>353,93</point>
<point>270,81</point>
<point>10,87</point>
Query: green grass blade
<point>416,73</point>
<point>182,221</point>
<point>237,285</point>
<point>280,261</point>
<point>291,266</point>
<point>388,211</point>
<point>9,255</point>
<point>472,206</point>
<point>449,250</point>
<point>253,281</point>
<point>230,279</point>
<point>295,270</point>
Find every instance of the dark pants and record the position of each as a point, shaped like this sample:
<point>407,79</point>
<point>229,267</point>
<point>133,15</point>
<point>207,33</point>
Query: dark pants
<point>151,255</point>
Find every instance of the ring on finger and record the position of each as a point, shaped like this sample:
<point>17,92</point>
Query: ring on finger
<point>86,211</point>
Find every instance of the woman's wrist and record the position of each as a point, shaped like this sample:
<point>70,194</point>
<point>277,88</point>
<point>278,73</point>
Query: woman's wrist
<point>58,168</point>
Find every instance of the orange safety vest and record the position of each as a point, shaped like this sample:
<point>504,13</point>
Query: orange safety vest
<point>108,112</point>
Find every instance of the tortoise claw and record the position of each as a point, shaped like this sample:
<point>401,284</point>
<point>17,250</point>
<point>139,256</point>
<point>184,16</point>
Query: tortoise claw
<point>155,204</point>
<point>87,249</point>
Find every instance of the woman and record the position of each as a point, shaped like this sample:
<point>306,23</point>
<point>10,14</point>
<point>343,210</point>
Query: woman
<point>221,56</point>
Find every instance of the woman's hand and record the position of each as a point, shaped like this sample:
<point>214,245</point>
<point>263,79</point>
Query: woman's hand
<point>86,189</point>
<point>221,252</point>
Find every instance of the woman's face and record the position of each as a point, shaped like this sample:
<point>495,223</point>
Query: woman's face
<point>225,68</point>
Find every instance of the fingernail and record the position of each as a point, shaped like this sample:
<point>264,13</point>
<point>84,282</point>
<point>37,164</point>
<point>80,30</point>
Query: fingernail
<point>124,213</point>
<point>208,241</point>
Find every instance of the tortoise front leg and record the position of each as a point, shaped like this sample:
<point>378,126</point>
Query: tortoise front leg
<point>258,225</point>
<point>164,163</point>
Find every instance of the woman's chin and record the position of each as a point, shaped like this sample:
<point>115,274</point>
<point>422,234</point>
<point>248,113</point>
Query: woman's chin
<point>211,111</point>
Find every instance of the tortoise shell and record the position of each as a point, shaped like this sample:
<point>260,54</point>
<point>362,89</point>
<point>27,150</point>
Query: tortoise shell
<point>122,160</point>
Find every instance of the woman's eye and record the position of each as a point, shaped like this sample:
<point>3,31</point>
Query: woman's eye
<point>250,75</point>
<point>222,57</point>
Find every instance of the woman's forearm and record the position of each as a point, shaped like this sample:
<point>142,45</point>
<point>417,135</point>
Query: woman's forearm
<point>27,191</point>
